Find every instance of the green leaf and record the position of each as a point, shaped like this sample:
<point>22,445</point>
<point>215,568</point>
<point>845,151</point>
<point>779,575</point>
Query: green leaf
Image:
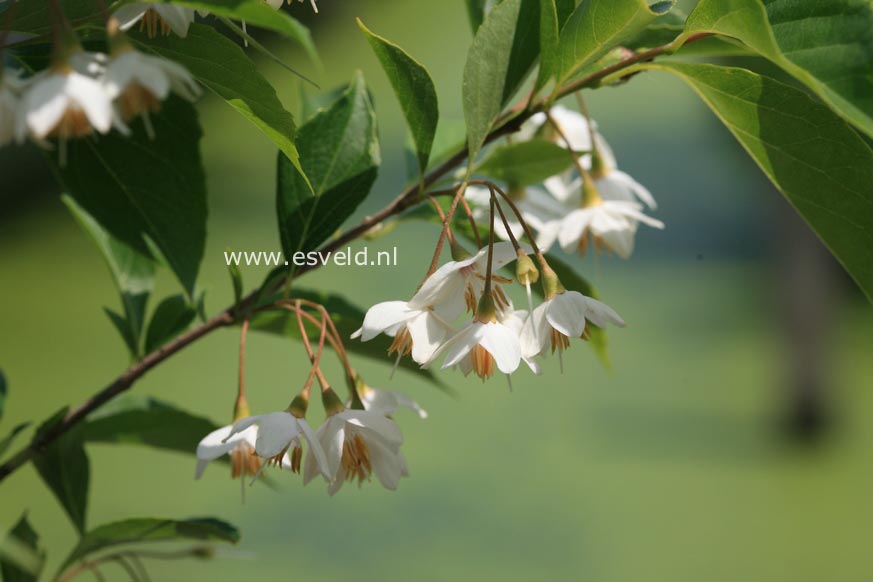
<point>476,13</point>
<point>346,317</point>
<point>825,45</point>
<point>236,280</point>
<point>149,194</point>
<point>255,13</point>
<point>598,26</point>
<point>7,441</point>
<point>528,162</point>
<point>486,73</point>
<point>34,16</point>
<point>414,89</point>
<point>339,152</point>
<point>132,272</point>
<point>553,16</point>
<point>224,68</point>
<point>4,390</point>
<point>20,557</point>
<point>172,316</point>
<point>573,281</point>
<point>64,467</point>
<point>141,420</point>
<point>816,159</point>
<point>149,530</point>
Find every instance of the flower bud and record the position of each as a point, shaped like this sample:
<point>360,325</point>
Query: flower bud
<point>526,271</point>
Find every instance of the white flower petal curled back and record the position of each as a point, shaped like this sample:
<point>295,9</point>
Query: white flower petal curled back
<point>65,104</point>
<point>158,75</point>
<point>417,330</point>
<point>277,431</point>
<point>612,223</point>
<point>177,18</point>
<point>479,347</point>
<point>221,442</point>
<point>386,402</point>
<point>358,443</point>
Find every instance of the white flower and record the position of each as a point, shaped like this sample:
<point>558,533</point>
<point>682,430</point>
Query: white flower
<point>138,82</point>
<point>612,224</point>
<point>279,431</point>
<point>573,125</point>
<point>538,207</point>
<point>482,346</point>
<point>240,447</point>
<point>421,324</point>
<point>358,443</point>
<point>386,402</point>
<point>64,104</point>
<point>168,17</point>
<point>564,316</point>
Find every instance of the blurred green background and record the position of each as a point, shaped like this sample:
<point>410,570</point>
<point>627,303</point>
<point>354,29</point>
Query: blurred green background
<point>731,440</point>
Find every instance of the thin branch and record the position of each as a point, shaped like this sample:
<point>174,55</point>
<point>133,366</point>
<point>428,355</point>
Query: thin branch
<point>507,124</point>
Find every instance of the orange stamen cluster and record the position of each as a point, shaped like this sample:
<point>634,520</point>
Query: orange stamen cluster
<point>482,361</point>
<point>137,99</point>
<point>151,22</point>
<point>244,461</point>
<point>402,344</point>
<point>74,123</point>
<point>356,459</point>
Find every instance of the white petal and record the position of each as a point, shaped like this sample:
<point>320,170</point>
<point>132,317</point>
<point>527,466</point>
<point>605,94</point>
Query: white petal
<point>573,228</point>
<point>460,344</point>
<point>315,448</point>
<point>502,343</point>
<point>427,332</point>
<point>382,426</point>
<point>277,430</point>
<point>386,464</point>
<point>129,15</point>
<point>566,314</point>
<point>600,313</point>
<point>384,316</point>
<point>535,333</point>
<point>92,97</point>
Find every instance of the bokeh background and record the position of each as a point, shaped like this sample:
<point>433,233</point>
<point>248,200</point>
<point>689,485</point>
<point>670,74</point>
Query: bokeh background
<point>730,441</point>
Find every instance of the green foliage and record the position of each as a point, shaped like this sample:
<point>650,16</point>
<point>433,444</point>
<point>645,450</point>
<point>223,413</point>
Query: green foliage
<point>4,390</point>
<point>598,26</point>
<point>141,420</point>
<point>34,16</point>
<point>236,281</point>
<point>150,530</point>
<point>553,16</point>
<point>149,194</point>
<point>339,152</point>
<point>825,45</point>
<point>172,316</point>
<point>20,557</point>
<point>414,89</point>
<point>476,13</point>
<point>822,165</point>
<point>64,468</point>
<point>346,317</point>
<point>223,67</point>
<point>526,162</point>
<point>132,272</point>
<point>487,73</point>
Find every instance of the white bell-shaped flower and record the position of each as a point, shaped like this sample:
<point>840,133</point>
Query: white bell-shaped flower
<point>561,318</point>
<point>154,17</point>
<point>277,433</point>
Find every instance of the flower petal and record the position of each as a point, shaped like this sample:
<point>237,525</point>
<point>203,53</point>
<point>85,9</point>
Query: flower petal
<point>502,343</point>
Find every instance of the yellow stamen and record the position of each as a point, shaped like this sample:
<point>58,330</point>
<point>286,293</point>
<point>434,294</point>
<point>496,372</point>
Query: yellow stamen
<point>402,344</point>
<point>482,361</point>
<point>356,459</point>
<point>137,99</point>
<point>244,461</point>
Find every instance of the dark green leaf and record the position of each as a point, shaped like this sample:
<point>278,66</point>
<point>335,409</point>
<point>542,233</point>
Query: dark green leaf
<point>34,16</point>
<point>525,48</point>
<point>150,530</point>
<point>141,420</point>
<point>224,68</point>
<point>598,26</point>
<point>528,162</point>
<point>816,159</point>
<point>476,13</point>
<point>339,152</point>
<point>553,16</point>
<point>828,46</point>
<point>172,316</point>
<point>414,89</point>
<point>119,322</point>
<point>4,390</point>
<point>236,280</point>
<point>487,71</point>
<point>20,558</point>
<point>347,318</point>
<point>148,193</point>
<point>256,13</point>
<point>132,272</point>
<point>63,466</point>
<point>7,441</point>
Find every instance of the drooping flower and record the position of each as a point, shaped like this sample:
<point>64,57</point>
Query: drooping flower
<point>64,103</point>
<point>538,206</point>
<point>386,402</point>
<point>244,462</point>
<point>138,83</point>
<point>277,433</point>
<point>156,17</point>
<point>561,318</point>
<point>358,443</point>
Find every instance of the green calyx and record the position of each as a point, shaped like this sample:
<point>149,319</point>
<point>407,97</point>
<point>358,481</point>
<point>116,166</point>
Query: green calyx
<point>357,389</point>
<point>590,195</point>
<point>332,403</point>
<point>552,286</point>
<point>241,409</point>
<point>526,271</point>
<point>486,312</point>
<point>459,253</point>
<point>298,406</point>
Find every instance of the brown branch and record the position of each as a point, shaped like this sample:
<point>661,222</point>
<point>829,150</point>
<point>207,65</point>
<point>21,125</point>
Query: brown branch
<point>508,123</point>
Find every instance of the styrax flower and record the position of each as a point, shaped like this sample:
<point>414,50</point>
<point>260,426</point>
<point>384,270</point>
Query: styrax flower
<point>561,318</point>
<point>152,17</point>
<point>277,433</point>
<point>358,443</point>
<point>64,103</point>
<point>611,224</point>
<point>240,446</point>
<point>138,82</point>
<point>573,125</point>
<point>538,206</point>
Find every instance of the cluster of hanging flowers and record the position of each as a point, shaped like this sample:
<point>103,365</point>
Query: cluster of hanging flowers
<point>82,93</point>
